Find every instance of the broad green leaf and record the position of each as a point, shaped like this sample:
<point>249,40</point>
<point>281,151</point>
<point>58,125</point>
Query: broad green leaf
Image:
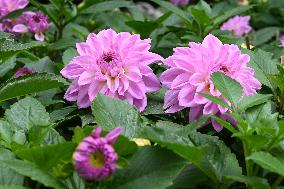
<point>8,176</point>
<point>61,113</point>
<point>12,187</point>
<point>263,65</point>
<point>68,55</point>
<point>30,84</point>
<point>216,100</point>
<point>206,152</point>
<point>263,35</point>
<point>7,66</point>
<point>63,43</point>
<point>151,168</point>
<point>224,124</point>
<point>27,113</point>
<point>51,155</point>
<point>7,45</point>
<point>229,88</point>
<point>111,113</point>
<point>170,7</point>
<point>269,162</point>
<point>228,14</point>
<point>252,100</point>
<point>253,182</point>
<point>9,134</point>
<point>31,170</point>
<point>201,17</point>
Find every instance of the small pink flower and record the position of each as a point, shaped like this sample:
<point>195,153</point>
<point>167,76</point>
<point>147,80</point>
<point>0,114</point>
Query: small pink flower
<point>189,73</point>
<point>7,6</point>
<point>281,40</point>
<point>238,24</point>
<point>114,64</point>
<point>32,22</point>
<point>180,2</point>
<point>95,157</point>
<point>24,71</point>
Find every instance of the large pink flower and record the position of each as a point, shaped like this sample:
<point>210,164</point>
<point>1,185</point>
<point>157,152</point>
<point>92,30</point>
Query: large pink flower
<point>7,6</point>
<point>238,24</point>
<point>115,64</point>
<point>189,73</point>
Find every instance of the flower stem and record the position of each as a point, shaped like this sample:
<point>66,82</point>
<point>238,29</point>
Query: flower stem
<point>248,162</point>
<point>277,182</point>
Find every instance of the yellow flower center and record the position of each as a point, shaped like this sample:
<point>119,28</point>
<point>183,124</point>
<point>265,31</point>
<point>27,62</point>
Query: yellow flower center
<point>97,159</point>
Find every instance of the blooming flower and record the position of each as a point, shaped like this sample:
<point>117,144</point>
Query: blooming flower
<point>95,157</point>
<point>7,6</point>
<point>281,41</point>
<point>189,74</point>
<point>114,64</point>
<point>238,24</point>
<point>180,2</point>
<point>32,22</point>
<point>24,71</point>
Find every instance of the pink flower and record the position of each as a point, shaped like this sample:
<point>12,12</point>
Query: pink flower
<point>95,157</point>
<point>114,64</point>
<point>238,24</point>
<point>189,73</point>
<point>7,6</point>
<point>32,22</point>
<point>180,2</point>
<point>281,40</point>
<point>24,71</point>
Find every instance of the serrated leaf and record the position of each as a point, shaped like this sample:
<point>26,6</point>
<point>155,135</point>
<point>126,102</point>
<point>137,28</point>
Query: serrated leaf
<point>30,84</point>
<point>253,182</point>
<point>263,35</point>
<point>252,100</point>
<point>8,176</point>
<point>160,167</point>
<point>269,162</point>
<point>216,100</point>
<point>110,113</point>
<point>31,170</point>
<point>229,87</point>
<point>27,113</point>
<point>7,45</point>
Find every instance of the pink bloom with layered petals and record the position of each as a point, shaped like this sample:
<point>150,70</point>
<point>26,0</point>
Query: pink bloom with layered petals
<point>239,25</point>
<point>180,2</point>
<point>189,73</point>
<point>95,157</point>
<point>7,6</point>
<point>24,71</point>
<point>114,64</point>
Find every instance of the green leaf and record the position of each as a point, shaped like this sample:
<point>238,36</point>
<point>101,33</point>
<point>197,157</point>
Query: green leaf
<point>269,162</point>
<point>170,7</point>
<point>252,100</point>
<point>63,43</point>
<point>8,176</point>
<point>224,124</point>
<point>12,187</point>
<point>111,113</point>
<point>30,84</point>
<point>151,168</point>
<point>51,155</point>
<point>7,45</point>
<point>206,152</point>
<point>27,113</point>
<point>229,88</point>
<point>263,65</point>
<point>216,100</point>
<point>31,170</point>
<point>228,14</point>
<point>68,55</point>
<point>253,182</point>
<point>263,35</point>
<point>7,66</point>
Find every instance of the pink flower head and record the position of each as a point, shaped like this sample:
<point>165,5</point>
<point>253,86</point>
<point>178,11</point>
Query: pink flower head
<point>189,74</point>
<point>238,24</point>
<point>95,157</point>
<point>281,41</point>
<point>114,64</point>
<point>180,2</point>
<point>32,22</point>
<point>24,71</point>
<point>7,6</point>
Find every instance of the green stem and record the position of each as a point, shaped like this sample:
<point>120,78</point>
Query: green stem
<point>277,182</point>
<point>248,162</point>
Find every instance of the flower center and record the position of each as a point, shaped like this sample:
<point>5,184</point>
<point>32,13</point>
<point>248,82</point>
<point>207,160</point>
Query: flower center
<point>224,69</point>
<point>97,159</point>
<point>110,64</point>
<point>36,19</point>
